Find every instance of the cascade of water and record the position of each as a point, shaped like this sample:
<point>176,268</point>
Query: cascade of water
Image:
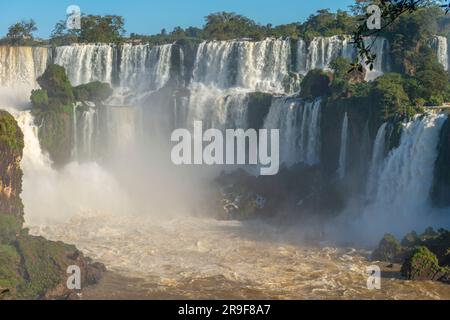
<point>379,150</point>
<point>86,62</point>
<point>299,125</point>
<point>262,65</point>
<point>87,133</point>
<point>406,177</point>
<point>344,148</point>
<point>75,132</point>
<point>221,109</point>
<point>441,44</point>
<point>145,68</point>
<point>323,50</point>
<point>21,66</point>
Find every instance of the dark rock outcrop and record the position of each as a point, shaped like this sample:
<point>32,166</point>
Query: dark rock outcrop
<point>388,250</point>
<point>424,257</point>
<point>422,265</point>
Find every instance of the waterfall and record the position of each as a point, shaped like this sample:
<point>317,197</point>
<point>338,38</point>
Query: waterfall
<point>86,62</point>
<point>87,133</point>
<point>299,125</point>
<point>258,66</point>
<point>406,177</point>
<point>143,67</point>
<point>441,44</point>
<point>323,50</point>
<point>379,47</point>
<point>21,66</point>
<point>344,146</point>
<point>220,109</point>
<point>379,150</point>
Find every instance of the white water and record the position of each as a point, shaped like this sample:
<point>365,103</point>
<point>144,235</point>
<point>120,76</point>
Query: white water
<point>21,66</point>
<point>86,62</point>
<point>299,125</point>
<point>323,50</point>
<point>379,150</point>
<point>258,66</point>
<point>342,170</point>
<point>441,44</point>
<point>400,186</point>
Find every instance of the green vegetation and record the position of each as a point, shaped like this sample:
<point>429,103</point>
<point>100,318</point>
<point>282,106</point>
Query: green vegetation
<point>10,133</point>
<point>53,107</point>
<point>94,29</point>
<point>424,257</point>
<point>20,34</point>
<point>388,250</point>
<point>94,91</point>
<point>57,86</point>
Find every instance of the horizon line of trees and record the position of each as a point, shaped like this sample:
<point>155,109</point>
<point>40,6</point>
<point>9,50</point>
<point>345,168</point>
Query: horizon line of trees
<point>219,26</point>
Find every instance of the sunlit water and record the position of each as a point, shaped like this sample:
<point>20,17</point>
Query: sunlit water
<point>200,258</point>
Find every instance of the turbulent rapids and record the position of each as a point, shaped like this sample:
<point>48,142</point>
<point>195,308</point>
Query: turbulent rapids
<point>122,202</point>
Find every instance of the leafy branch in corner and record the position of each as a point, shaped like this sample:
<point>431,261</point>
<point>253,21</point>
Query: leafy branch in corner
<point>391,10</point>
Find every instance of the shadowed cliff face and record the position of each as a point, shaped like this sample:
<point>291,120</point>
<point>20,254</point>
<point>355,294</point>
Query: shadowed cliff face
<point>30,267</point>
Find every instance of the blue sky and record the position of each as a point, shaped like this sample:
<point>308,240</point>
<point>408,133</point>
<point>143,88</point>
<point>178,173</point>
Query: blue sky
<point>150,16</point>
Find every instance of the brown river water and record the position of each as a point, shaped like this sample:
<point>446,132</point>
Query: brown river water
<point>195,258</point>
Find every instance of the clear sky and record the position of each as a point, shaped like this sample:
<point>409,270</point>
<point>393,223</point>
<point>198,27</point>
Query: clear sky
<point>150,16</point>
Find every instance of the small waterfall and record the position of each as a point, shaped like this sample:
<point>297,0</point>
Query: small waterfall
<point>299,125</point>
<point>87,133</point>
<point>379,150</point>
<point>379,47</point>
<point>258,66</point>
<point>75,132</point>
<point>441,44</point>
<point>86,62</point>
<point>34,159</point>
<point>21,66</point>
<point>406,177</point>
<point>323,50</point>
<point>344,148</point>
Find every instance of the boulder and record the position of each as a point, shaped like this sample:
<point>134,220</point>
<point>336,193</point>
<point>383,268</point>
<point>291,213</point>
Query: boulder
<point>422,265</point>
<point>388,250</point>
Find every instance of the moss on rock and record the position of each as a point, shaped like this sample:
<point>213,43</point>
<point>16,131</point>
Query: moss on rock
<point>422,265</point>
<point>388,250</point>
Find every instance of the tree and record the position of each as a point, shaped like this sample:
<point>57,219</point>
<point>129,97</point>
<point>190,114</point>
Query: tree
<point>21,32</point>
<point>391,11</point>
<point>104,29</point>
<point>228,25</point>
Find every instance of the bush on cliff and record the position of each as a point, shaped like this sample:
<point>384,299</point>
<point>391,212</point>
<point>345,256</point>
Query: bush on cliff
<point>94,91</point>
<point>422,265</point>
<point>10,133</point>
<point>388,250</point>
<point>58,87</point>
<point>315,84</point>
<point>39,99</point>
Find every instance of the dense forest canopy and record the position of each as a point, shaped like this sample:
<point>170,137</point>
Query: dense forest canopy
<point>229,25</point>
